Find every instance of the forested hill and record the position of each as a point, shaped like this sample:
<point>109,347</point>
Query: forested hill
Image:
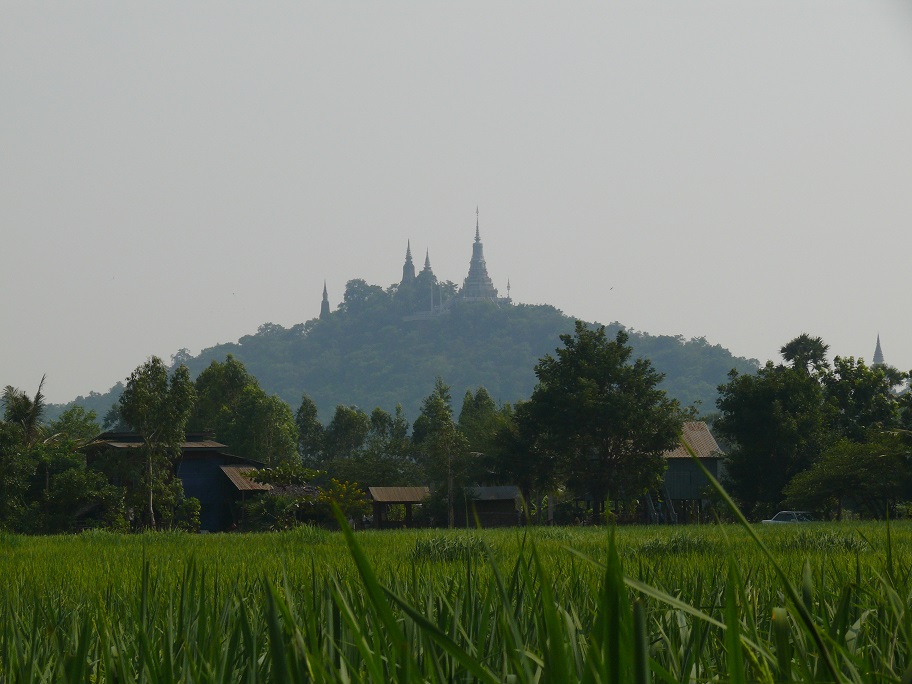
<point>366,354</point>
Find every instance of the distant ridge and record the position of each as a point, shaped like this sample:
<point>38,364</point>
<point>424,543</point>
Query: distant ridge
<point>365,354</point>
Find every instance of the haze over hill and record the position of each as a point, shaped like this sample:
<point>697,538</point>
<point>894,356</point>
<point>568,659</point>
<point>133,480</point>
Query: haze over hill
<point>371,352</point>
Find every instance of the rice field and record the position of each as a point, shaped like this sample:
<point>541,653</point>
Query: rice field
<point>820,602</point>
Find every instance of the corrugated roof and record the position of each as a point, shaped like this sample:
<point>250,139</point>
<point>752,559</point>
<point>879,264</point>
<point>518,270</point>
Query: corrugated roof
<point>186,446</point>
<point>698,437</point>
<point>238,477</point>
<point>398,494</point>
<point>502,493</point>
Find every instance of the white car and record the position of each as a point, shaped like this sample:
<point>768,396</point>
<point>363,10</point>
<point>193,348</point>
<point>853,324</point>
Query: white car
<point>790,517</point>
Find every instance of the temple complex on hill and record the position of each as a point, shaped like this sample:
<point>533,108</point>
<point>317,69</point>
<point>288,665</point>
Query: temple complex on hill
<point>431,297</point>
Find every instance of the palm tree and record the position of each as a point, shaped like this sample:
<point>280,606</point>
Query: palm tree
<point>27,413</point>
<point>806,352</point>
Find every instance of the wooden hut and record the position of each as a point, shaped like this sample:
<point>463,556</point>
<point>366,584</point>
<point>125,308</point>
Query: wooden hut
<point>494,506</point>
<point>201,469</point>
<point>384,497</point>
<point>685,484</point>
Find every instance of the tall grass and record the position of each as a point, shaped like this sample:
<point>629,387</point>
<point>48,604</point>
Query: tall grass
<point>552,605</point>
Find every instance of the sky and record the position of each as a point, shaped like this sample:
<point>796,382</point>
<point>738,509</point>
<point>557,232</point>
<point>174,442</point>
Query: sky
<point>175,174</point>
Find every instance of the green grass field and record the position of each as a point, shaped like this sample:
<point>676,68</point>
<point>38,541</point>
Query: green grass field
<point>830,603</point>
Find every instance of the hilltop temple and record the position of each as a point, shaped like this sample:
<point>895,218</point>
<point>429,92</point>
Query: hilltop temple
<point>429,297</point>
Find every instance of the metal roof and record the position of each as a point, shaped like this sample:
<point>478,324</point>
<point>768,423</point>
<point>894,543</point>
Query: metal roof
<point>238,477</point>
<point>208,444</point>
<point>502,493</point>
<point>398,494</point>
<point>697,436</point>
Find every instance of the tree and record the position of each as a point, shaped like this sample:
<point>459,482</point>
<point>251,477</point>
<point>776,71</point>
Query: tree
<point>76,424</point>
<point>44,484</point>
<point>478,419</point>
<point>344,436</point>
<point>253,424</point>
<point>781,419</point>
<point>862,397</point>
<point>310,431</point>
<point>23,412</point>
<point>480,422</point>
<point>603,415</point>
<point>16,471</point>
<point>777,423</point>
<point>872,476</point>
<point>158,406</point>
<point>520,457</point>
<point>385,457</point>
<point>443,446</point>
<point>360,297</point>
<point>806,353</point>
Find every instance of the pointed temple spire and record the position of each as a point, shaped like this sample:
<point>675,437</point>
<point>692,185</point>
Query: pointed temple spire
<point>878,359</point>
<point>427,262</point>
<point>477,284</point>
<point>324,307</point>
<point>408,268</point>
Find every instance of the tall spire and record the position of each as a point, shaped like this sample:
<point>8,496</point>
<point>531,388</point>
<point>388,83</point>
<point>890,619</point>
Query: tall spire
<point>408,268</point>
<point>324,307</point>
<point>427,261</point>
<point>878,359</point>
<point>477,284</point>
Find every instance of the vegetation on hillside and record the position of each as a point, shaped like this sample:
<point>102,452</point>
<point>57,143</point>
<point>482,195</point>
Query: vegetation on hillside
<point>367,354</point>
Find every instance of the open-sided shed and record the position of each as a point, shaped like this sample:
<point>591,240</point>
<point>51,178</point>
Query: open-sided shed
<point>384,497</point>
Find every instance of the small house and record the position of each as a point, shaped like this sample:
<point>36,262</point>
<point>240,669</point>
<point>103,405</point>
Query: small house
<point>494,506</point>
<point>685,484</point>
<point>206,470</point>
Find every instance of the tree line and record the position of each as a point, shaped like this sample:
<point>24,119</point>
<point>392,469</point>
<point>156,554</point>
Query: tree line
<point>809,434</point>
<point>595,424</point>
<point>802,433</point>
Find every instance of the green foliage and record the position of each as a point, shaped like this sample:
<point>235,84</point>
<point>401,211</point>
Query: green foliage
<point>347,497</point>
<point>366,354</point>
<point>871,476</point>
<point>157,405</point>
<point>76,424</point>
<point>301,496</point>
<point>555,605</point>
<point>310,431</point>
<point>801,424</point>
<point>601,416</point>
<point>24,413</point>
<point>777,421</point>
<point>442,448</point>
<point>448,548</point>
<point>385,457</point>
<point>253,424</point>
<point>480,422</point>
<point>861,397</point>
<point>344,437</point>
<point>16,471</point>
<point>286,474</point>
<point>44,484</point>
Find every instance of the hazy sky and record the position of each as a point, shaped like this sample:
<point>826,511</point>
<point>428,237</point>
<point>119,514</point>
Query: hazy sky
<point>174,174</point>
